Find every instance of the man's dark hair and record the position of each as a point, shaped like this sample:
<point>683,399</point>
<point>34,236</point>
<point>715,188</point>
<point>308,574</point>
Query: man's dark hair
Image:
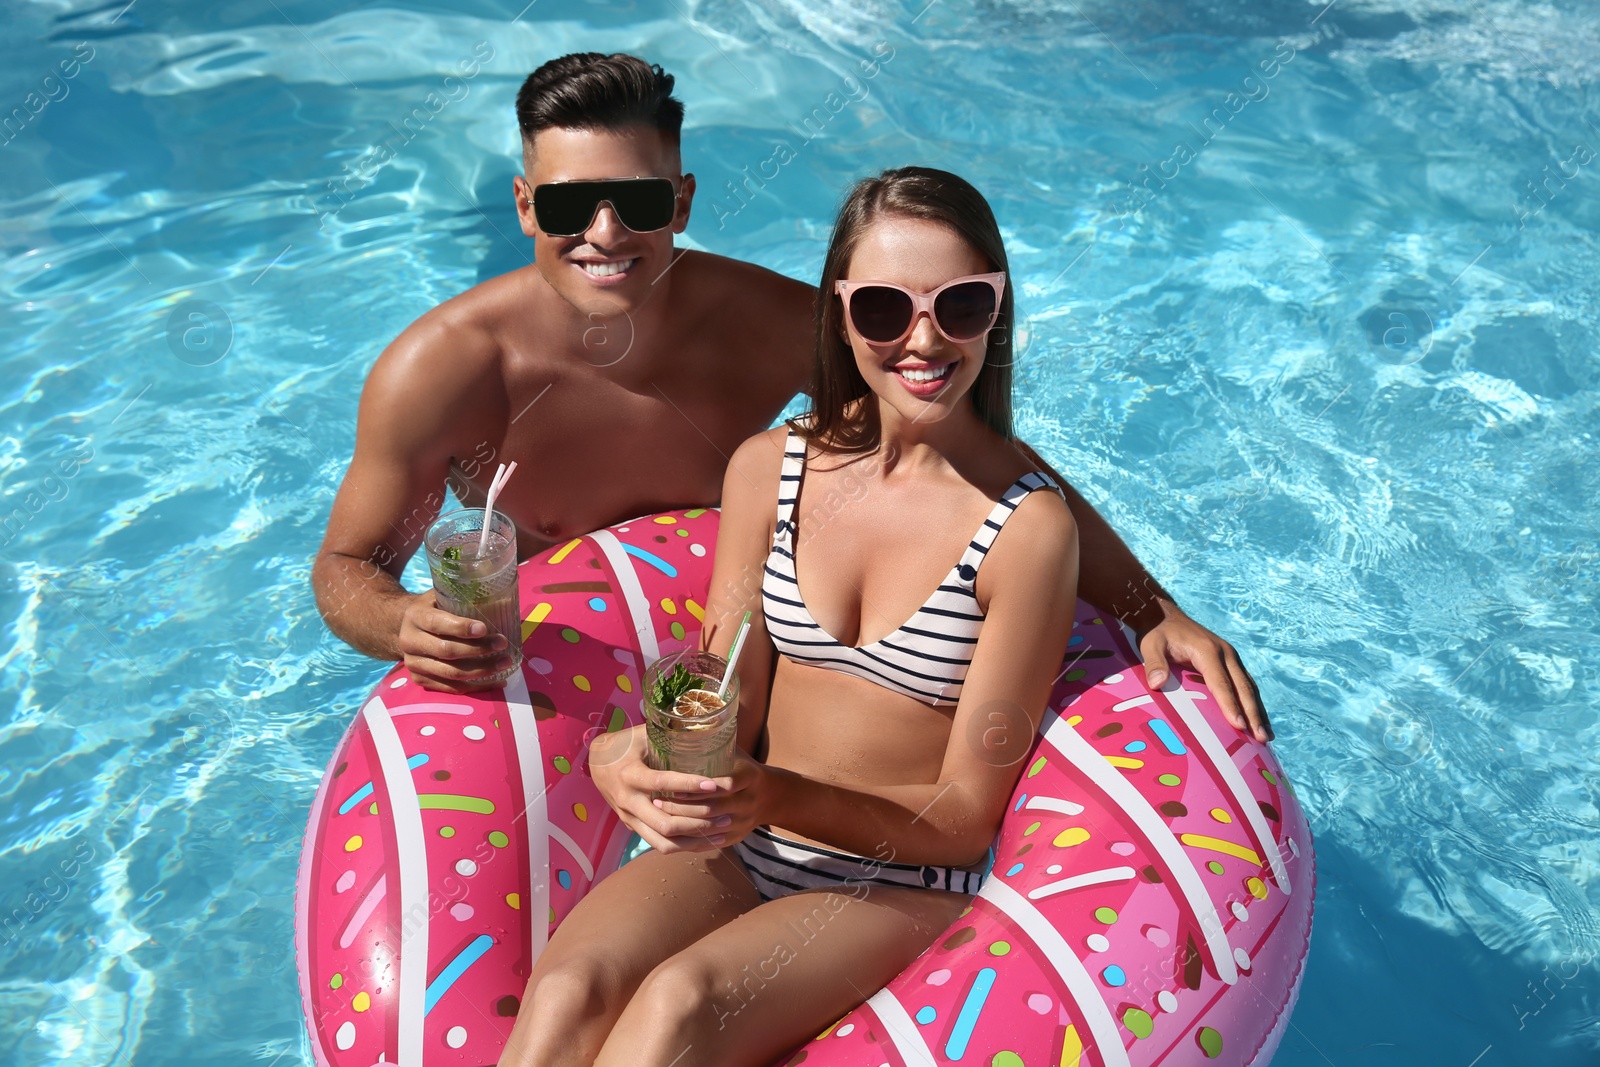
<point>590,91</point>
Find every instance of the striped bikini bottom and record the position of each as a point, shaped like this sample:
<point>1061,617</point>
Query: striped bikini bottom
<point>779,866</point>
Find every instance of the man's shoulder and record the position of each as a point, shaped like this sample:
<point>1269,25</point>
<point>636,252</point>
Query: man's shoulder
<point>464,333</point>
<point>480,315</point>
<point>443,360</point>
<point>709,275</point>
<point>733,308</point>
<point>740,268</point>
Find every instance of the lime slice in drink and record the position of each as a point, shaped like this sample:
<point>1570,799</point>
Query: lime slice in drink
<point>698,702</point>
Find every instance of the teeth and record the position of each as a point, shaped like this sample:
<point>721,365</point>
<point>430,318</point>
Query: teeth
<point>606,270</point>
<point>912,374</point>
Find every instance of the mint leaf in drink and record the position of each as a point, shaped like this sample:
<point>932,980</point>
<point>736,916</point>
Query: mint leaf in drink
<point>668,689</point>
<point>462,590</point>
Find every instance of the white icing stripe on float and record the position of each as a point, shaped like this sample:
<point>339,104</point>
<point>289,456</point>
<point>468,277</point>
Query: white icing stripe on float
<point>1194,720</point>
<point>405,815</point>
<point>902,1031</point>
<point>632,594</point>
<point>565,840</point>
<point>535,812</point>
<point>1136,702</point>
<point>1091,1005</point>
<point>1065,807</point>
<point>1078,881</point>
<point>1134,805</point>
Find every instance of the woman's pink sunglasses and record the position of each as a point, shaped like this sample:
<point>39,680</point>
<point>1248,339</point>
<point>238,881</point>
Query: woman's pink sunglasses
<point>962,309</point>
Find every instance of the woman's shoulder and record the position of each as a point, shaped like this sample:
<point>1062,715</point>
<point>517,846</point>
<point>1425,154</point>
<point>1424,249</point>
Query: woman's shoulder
<point>1010,464</point>
<point>1037,544</point>
<point>765,447</point>
<point>759,460</point>
<point>1035,550</point>
<point>1042,512</point>
<point>1043,522</point>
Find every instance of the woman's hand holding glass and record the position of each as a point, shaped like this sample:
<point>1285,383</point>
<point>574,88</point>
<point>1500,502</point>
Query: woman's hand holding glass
<point>734,807</point>
<point>617,765</point>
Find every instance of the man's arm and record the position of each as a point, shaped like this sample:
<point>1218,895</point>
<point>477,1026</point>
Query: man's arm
<point>1113,580</point>
<point>409,425</point>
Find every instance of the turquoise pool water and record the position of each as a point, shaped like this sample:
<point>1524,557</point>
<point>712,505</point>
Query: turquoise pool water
<point>1330,371</point>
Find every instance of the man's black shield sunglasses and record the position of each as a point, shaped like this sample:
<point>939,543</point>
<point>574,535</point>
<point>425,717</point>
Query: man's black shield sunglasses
<point>565,209</point>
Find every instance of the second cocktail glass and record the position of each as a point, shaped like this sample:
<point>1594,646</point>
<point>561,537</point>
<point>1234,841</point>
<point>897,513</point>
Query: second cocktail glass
<point>685,728</point>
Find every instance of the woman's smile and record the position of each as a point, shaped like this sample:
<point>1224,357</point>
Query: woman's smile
<point>922,378</point>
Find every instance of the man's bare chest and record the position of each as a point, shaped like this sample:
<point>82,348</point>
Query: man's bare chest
<point>590,457</point>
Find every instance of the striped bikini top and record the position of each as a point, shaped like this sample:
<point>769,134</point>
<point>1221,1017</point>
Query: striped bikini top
<point>927,657</point>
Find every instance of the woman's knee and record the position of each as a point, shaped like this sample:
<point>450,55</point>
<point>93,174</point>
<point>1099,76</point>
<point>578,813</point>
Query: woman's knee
<point>576,992</point>
<point>681,992</point>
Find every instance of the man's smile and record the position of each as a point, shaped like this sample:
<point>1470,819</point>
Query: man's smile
<point>607,271</point>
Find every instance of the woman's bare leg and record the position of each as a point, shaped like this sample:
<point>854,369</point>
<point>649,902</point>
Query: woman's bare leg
<point>771,979</point>
<point>655,906</point>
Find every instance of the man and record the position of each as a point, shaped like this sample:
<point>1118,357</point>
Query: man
<point>620,373</point>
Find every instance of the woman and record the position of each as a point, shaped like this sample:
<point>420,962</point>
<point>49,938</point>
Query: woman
<point>776,899</point>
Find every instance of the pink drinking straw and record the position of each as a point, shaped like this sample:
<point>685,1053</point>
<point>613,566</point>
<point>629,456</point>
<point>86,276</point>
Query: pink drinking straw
<point>501,476</point>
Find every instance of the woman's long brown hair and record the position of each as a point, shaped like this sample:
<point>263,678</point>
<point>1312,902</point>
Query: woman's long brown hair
<point>908,192</point>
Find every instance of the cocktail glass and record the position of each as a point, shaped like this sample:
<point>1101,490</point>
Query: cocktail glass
<point>478,587</point>
<point>693,742</point>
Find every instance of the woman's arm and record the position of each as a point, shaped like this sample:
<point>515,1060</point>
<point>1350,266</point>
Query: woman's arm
<point>1117,583</point>
<point>1031,578</point>
<point>744,537</point>
<point>744,534</point>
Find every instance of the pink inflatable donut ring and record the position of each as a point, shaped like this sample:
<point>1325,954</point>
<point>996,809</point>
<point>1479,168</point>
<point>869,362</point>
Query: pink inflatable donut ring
<point>1150,900</point>
<point>451,834</point>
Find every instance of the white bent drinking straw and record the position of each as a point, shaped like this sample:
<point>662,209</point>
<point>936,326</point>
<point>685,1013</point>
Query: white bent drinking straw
<point>733,655</point>
<point>501,475</point>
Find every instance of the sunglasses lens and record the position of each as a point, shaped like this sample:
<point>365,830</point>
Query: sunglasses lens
<point>965,311</point>
<point>643,205</point>
<point>880,313</point>
<point>565,209</point>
